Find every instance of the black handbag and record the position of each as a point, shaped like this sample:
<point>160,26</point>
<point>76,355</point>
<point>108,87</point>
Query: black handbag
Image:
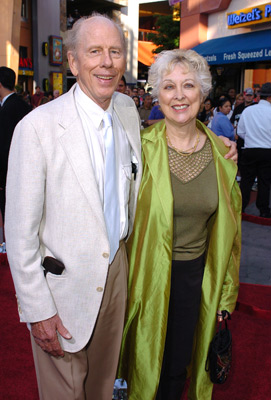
<point>219,357</point>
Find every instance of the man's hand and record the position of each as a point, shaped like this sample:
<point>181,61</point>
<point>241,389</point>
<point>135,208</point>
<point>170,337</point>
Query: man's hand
<point>232,154</point>
<point>44,333</point>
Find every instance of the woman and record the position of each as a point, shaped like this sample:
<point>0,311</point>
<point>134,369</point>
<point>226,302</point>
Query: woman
<point>239,100</point>
<point>221,125</point>
<point>207,113</point>
<point>136,100</point>
<point>187,223</point>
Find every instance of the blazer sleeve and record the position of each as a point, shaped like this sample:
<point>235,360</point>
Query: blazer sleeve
<point>26,182</point>
<point>231,280</point>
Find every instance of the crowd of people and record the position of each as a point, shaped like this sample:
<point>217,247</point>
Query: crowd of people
<point>93,202</point>
<point>39,97</point>
<point>148,106</point>
<point>252,136</point>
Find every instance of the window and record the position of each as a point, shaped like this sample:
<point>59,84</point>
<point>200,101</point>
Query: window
<point>24,10</point>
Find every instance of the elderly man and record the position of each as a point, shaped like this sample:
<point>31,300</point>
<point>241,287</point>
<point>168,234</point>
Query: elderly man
<point>255,128</point>
<point>74,174</point>
<point>72,185</point>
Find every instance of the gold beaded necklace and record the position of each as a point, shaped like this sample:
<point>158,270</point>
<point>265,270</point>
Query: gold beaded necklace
<point>187,152</point>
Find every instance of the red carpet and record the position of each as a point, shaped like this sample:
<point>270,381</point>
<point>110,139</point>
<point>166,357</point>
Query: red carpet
<point>17,374</point>
<point>250,377</point>
<point>250,374</point>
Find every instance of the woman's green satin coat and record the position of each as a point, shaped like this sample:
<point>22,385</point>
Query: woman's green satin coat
<point>150,255</point>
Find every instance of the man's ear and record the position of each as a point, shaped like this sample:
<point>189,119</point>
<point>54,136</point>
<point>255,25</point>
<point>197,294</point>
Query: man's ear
<point>72,63</point>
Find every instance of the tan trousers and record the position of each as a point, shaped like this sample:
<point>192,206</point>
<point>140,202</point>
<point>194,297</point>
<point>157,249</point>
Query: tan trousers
<point>90,373</point>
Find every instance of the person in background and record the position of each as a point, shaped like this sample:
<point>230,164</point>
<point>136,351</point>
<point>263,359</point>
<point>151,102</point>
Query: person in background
<point>13,109</point>
<point>239,100</point>
<point>155,102</point>
<point>135,91</point>
<point>44,100</point>
<point>257,95</point>
<point>70,21</point>
<point>35,98</point>
<point>71,196</point>
<point>184,252</point>
<point>231,94</point>
<point>141,93</point>
<point>122,85</point>
<point>128,91</point>
<point>156,114</point>
<point>137,101</point>
<point>56,94</point>
<point>206,115</point>
<point>255,128</point>
<point>145,109</point>
<point>248,101</point>
<point>221,125</point>
<point>216,109</point>
<point>26,97</point>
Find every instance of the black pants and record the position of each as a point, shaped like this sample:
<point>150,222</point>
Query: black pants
<point>256,162</point>
<point>185,294</point>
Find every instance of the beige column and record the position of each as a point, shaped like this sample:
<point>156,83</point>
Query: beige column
<point>194,20</point>
<point>10,22</point>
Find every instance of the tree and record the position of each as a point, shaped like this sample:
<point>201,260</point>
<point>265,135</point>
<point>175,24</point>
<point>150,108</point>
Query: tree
<point>168,35</point>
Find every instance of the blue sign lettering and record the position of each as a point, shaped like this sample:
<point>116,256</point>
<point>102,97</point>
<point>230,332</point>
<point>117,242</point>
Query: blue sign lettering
<point>267,11</point>
<point>242,18</point>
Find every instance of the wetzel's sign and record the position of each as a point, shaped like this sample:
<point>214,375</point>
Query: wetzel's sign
<point>249,16</point>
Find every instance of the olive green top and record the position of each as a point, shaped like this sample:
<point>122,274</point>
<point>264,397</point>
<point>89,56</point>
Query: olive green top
<point>194,187</point>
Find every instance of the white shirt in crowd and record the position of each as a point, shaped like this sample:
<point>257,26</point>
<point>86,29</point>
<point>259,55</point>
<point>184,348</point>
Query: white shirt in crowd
<point>255,125</point>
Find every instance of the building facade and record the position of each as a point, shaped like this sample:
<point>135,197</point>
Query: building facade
<point>33,31</point>
<point>235,38</point>
<point>30,42</point>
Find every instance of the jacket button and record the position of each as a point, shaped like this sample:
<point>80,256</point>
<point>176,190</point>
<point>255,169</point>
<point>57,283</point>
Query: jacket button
<point>99,289</point>
<point>105,255</point>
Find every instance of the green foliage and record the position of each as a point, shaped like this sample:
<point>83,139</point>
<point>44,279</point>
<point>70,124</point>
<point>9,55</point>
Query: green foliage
<point>168,35</point>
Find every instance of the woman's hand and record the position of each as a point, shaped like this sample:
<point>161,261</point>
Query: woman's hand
<point>221,317</point>
<point>232,154</point>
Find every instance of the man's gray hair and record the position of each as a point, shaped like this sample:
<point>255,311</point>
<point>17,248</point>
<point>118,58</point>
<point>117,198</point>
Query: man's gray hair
<point>167,60</point>
<point>73,35</point>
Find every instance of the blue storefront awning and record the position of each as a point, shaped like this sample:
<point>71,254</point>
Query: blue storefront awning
<point>247,47</point>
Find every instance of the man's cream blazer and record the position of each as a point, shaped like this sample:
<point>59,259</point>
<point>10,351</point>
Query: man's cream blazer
<point>54,209</point>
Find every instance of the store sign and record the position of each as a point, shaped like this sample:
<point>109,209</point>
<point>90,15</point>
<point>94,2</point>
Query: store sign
<point>25,72</point>
<point>249,16</point>
<point>55,50</point>
<point>173,2</point>
<point>25,63</point>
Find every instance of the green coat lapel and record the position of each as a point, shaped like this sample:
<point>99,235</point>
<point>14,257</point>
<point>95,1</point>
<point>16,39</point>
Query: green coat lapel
<point>155,153</point>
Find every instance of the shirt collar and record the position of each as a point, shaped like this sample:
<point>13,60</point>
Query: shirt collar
<point>92,109</point>
<point>6,97</point>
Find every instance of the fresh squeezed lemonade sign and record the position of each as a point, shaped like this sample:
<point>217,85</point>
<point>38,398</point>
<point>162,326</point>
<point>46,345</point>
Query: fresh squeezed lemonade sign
<point>249,16</point>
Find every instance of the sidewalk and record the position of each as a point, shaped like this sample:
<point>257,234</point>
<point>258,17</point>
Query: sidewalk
<point>256,250</point>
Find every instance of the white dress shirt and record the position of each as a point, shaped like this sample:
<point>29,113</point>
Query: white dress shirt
<point>255,125</point>
<point>92,120</point>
